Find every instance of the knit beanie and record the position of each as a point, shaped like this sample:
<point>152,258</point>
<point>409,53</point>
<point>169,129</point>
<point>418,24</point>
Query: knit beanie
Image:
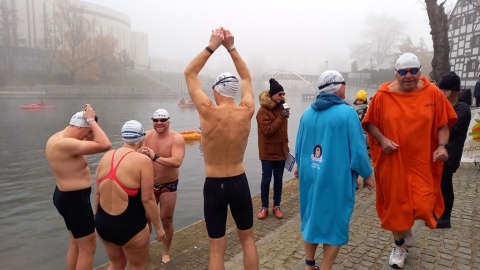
<point>362,94</point>
<point>275,87</point>
<point>450,81</point>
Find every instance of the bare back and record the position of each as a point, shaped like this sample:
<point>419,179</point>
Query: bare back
<point>113,199</point>
<point>226,127</point>
<point>71,171</point>
<point>225,131</point>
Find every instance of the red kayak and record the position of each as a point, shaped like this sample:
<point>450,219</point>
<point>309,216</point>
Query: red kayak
<point>37,106</point>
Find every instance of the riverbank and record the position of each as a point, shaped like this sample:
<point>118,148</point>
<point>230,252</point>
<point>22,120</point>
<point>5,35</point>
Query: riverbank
<point>280,245</point>
<point>78,91</point>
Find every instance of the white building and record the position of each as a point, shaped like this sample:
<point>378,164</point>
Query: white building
<point>464,36</point>
<point>32,16</point>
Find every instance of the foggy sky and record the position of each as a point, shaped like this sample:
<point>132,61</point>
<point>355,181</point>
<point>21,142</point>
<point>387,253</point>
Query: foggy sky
<point>298,35</point>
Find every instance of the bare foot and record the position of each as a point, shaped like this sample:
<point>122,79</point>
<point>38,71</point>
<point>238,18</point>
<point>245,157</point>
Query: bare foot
<point>165,259</point>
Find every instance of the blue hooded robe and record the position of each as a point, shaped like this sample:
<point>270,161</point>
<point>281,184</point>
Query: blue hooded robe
<point>330,151</point>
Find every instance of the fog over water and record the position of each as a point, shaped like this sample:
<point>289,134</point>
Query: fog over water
<point>297,35</point>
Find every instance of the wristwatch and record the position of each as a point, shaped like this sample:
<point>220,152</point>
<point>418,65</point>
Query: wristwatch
<point>155,157</point>
<point>444,145</point>
<point>90,119</point>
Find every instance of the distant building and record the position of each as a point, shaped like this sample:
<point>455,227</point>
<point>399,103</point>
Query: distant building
<point>33,14</point>
<point>464,36</point>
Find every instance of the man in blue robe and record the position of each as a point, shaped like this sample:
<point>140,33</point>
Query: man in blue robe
<point>330,152</point>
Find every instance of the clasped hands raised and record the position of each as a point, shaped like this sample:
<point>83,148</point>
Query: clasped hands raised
<point>221,36</point>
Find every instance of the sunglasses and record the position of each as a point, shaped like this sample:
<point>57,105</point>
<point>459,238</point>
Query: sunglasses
<point>412,71</point>
<point>163,120</point>
<point>281,94</point>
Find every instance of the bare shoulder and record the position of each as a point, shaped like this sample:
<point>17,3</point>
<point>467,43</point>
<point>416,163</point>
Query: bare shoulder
<point>68,142</point>
<point>148,136</point>
<point>149,133</point>
<point>248,108</point>
<point>174,133</point>
<point>141,157</point>
<point>176,136</point>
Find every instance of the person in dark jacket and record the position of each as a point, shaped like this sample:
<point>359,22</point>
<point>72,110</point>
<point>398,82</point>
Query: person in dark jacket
<point>461,102</point>
<point>476,94</point>
<point>272,119</point>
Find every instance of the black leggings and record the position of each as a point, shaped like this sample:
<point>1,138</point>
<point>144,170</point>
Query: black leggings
<point>447,191</point>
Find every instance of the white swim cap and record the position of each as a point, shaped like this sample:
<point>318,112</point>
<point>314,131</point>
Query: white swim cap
<point>330,81</point>
<point>226,84</point>
<point>407,60</point>
<point>132,132</point>
<point>161,113</point>
<point>78,120</point>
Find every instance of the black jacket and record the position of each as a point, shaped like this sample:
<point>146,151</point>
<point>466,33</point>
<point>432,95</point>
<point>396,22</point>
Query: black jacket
<point>476,93</point>
<point>458,132</point>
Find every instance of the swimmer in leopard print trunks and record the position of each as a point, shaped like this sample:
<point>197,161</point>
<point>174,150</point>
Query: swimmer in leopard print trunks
<point>166,148</point>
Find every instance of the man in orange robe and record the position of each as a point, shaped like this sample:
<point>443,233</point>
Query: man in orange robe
<point>408,123</point>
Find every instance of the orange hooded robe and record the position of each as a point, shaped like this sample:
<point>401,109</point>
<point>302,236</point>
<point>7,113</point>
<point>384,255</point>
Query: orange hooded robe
<point>408,181</point>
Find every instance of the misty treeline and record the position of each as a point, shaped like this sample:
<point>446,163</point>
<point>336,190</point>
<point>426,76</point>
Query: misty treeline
<point>71,50</point>
<point>384,39</point>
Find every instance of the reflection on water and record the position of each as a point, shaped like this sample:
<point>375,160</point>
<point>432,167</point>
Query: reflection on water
<point>33,233</point>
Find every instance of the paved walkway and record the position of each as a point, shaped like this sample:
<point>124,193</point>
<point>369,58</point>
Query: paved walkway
<point>280,245</point>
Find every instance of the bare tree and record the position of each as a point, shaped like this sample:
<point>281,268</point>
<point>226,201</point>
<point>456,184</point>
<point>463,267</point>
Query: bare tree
<point>380,40</point>
<point>125,63</point>
<point>9,38</point>
<point>439,30</point>
<point>103,53</point>
<point>51,43</point>
<point>76,31</point>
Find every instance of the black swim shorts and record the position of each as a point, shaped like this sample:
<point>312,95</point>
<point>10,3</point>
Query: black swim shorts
<point>76,210</point>
<point>221,192</point>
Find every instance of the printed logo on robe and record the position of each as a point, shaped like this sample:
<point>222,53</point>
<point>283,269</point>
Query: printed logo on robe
<point>317,153</point>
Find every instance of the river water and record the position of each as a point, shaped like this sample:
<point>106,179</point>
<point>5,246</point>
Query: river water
<point>33,234</point>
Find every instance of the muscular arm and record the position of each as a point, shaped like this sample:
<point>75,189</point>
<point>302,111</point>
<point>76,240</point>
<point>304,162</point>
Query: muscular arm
<point>100,144</point>
<point>178,153</point>
<point>243,72</point>
<point>198,97</point>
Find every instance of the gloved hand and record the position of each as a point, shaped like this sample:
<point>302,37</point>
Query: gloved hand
<point>286,113</point>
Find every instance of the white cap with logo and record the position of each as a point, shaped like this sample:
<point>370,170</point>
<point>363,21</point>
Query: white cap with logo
<point>407,60</point>
<point>78,120</point>
<point>330,81</point>
<point>161,113</point>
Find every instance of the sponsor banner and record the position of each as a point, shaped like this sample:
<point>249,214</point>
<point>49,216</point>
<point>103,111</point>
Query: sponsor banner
<point>471,150</point>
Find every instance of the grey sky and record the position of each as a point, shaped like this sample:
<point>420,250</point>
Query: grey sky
<point>299,35</point>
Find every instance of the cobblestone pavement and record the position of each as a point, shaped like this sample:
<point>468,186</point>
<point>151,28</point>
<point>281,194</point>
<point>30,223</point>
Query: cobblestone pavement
<point>280,245</point>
